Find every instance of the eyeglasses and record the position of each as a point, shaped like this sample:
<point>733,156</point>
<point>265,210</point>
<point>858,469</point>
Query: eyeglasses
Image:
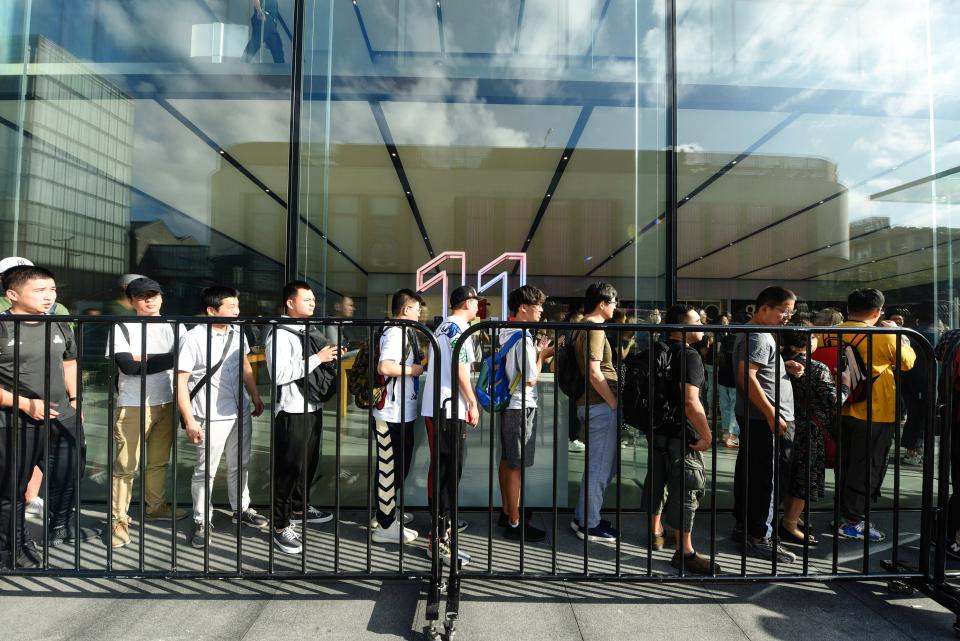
<point>612,302</point>
<point>784,313</point>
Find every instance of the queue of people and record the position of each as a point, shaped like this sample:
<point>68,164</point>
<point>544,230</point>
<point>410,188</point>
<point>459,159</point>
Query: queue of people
<point>763,383</point>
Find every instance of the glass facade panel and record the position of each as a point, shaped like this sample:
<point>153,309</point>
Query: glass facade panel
<point>817,148</point>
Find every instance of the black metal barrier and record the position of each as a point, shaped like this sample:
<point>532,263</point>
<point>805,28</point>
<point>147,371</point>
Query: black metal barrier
<point>911,556</point>
<point>36,436</point>
<point>914,515</point>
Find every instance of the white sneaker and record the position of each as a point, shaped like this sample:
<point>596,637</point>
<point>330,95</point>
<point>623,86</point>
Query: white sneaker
<point>34,507</point>
<point>287,541</point>
<point>407,520</point>
<point>392,534</point>
<point>577,446</point>
<point>348,477</point>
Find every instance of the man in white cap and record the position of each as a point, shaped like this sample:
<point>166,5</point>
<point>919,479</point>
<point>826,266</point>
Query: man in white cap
<point>32,497</point>
<point>16,261</point>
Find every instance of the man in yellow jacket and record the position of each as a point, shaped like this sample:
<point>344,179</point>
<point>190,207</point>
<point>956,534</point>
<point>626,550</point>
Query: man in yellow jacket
<point>864,446</point>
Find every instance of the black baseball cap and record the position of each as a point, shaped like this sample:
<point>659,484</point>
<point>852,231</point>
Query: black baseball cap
<point>143,285</point>
<point>461,295</point>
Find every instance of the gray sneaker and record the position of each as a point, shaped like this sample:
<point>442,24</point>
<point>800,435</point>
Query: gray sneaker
<point>763,549</point>
<point>252,518</point>
<point>199,534</point>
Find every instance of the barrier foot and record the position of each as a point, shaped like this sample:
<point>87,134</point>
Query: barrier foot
<point>453,607</point>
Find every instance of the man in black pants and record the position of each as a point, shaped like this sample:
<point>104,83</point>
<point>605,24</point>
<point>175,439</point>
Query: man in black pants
<point>33,290</point>
<point>299,421</point>
<point>762,380</point>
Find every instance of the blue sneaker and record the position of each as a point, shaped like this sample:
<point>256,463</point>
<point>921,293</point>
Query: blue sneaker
<point>598,534</point>
<point>855,531</point>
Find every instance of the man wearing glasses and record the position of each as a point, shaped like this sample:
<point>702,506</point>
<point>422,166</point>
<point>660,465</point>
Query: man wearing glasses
<point>764,413</point>
<point>597,410</point>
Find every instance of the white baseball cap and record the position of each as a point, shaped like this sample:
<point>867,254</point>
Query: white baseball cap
<point>13,261</point>
<point>126,279</point>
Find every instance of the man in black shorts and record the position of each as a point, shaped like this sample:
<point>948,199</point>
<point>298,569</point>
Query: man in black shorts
<point>518,420</point>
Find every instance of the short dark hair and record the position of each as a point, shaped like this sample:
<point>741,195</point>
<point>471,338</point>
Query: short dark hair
<point>401,298</point>
<point>291,289</point>
<point>793,341</point>
<point>16,277</point>
<point>214,296</point>
<point>598,293</point>
<point>774,295</point>
<point>525,295</point>
<point>677,314</point>
<point>864,300</point>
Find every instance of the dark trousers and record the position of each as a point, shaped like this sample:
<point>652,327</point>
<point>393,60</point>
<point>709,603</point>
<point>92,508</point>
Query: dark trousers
<point>67,453</point>
<point>573,420</point>
<point>294,434</point>
<point>394,453</point>
<point>753,486</point>
<point>915,405</point>
<point>862,447</point>
<point>267,29</point>
<point>953,509</point>
<point>451,431</point>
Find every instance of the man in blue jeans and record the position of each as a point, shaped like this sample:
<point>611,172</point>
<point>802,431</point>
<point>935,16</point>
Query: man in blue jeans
<point>597,410</point>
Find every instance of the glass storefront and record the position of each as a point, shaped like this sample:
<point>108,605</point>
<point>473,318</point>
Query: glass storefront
<point>816,144</point>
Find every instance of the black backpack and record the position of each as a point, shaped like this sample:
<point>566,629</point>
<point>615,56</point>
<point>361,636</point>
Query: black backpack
<point>320,385</point>
<point>637,375</point>
<point>569,377</point>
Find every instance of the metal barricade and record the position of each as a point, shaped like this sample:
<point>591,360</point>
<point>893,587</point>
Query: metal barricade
<point>338,550</point>
<point>916,513</point>
<point>911,556</point>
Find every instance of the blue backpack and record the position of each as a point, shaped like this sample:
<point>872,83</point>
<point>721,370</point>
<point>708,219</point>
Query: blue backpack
<point>503,389</point>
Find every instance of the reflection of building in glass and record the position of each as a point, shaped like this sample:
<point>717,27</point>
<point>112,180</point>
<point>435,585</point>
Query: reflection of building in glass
<point>75,199</point>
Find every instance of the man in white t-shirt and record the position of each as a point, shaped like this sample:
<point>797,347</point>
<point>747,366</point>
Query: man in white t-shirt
<point>299,422</point>
<point>518,420</point>
<point>464,302</point>
<point>153,368</point>
<point>399,362</point>
<point>219,377</point>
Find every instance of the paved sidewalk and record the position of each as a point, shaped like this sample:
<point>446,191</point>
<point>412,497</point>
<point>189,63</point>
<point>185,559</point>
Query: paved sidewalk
<point>51,609</point>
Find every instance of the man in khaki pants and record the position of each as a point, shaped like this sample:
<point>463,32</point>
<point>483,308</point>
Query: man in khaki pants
<point>146,297</point>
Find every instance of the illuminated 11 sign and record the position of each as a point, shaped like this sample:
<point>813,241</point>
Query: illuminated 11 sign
<point>503,277</point>
<point>424,283</point>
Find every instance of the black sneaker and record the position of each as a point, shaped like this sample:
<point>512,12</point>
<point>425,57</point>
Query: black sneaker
<point>252,518</point>
<point>199,534</point>
<point>531,533</point>
<point>764,549</point>
<point>29,557</point>
<point>504,520</point>
<point>63,534</point>
<point>314,516</point>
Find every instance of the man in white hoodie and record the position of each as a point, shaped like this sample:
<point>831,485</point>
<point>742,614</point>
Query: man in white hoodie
<point>299,421</point>
<point>518,420</point>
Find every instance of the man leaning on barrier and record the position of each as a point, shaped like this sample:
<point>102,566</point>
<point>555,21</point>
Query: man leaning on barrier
<point>864,446</point>
<point>218,377</point>
<point>156,405</point>
<point>676,474</point>
<point>299,422</point>
<point>33,290</point>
